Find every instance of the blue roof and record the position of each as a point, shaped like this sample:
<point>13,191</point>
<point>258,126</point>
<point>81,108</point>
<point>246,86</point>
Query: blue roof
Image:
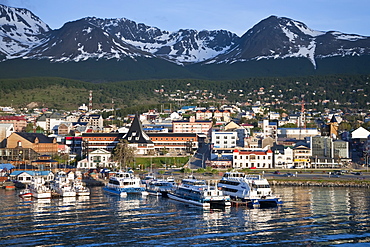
<point>187,107</point>
<point>32,173</point>
<point>7,166</point>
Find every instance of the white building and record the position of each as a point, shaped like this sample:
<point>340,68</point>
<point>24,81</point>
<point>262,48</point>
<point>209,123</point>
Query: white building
<point>96,158</point>
<point>297,132</point>
<point>224,139</point>
<point>283,159</point>
<point>5,131</point>
<point>252,158</point>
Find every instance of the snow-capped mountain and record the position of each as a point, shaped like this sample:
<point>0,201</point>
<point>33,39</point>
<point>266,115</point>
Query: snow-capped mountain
<point>183,46</point>
<point>20,31</point>
<point>282,37</point>
<point>25,36</point>
<point>81,40</point>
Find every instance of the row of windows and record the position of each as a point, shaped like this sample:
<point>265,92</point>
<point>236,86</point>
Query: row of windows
<point>172,139</point>
<point>225,137</point>
<point>258,165</point>
<point>225,142</point>
<point>253,157</point>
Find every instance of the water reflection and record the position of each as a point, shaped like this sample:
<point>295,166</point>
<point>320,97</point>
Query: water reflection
<point>310,216</point>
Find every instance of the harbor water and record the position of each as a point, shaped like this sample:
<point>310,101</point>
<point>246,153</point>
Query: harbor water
<point>309,216</point>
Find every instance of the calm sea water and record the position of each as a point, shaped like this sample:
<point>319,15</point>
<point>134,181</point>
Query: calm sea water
<point>309,217</point>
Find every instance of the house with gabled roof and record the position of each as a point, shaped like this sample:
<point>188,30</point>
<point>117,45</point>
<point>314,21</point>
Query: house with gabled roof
<point>27,176</point>
<point>38,142</point>
<point>138,139</point>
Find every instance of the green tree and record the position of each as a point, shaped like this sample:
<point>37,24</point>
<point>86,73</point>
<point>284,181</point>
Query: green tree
<point>123,153</point>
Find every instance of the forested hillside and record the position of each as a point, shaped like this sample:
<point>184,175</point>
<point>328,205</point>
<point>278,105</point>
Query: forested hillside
<point>320,91</point>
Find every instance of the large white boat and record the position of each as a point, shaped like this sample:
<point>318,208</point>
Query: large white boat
<point>62,186</point>
<point>38,189</point>
<point>251,189</point>
<point>198,193</point>
<point>124,183</point>
<point>159,187</point>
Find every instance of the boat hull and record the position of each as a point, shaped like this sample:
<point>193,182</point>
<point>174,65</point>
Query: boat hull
<point>41,195</point>
<point>125,191</point>
<point>207,204</point>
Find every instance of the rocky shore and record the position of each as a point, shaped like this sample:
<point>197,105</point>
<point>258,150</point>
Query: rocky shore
<point>359,184</point>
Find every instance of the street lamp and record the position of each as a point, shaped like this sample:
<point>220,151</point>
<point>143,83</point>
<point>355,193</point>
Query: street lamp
<point>202,160</point>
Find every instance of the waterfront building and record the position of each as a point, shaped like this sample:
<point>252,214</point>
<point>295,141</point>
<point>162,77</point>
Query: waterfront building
<point>283,157</point>
<point>301,155</point>
<point>95,159</point>
<point>328,153</point>
<point>252,159</point>
<point>26,177</point>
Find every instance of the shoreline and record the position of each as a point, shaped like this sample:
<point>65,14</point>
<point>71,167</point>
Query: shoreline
<point>318,183</point>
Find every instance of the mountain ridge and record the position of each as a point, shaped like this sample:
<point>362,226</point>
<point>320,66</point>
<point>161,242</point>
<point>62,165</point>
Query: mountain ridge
<point>25,36</point>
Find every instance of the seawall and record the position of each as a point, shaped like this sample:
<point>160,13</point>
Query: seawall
<point>359,184</point>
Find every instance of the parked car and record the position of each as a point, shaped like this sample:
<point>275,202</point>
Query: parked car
<point>276,172</point>
<point>289,174</point>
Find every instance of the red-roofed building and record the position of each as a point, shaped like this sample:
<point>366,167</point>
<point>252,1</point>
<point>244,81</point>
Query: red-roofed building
<point>252,158</point>
<point>18,122</point>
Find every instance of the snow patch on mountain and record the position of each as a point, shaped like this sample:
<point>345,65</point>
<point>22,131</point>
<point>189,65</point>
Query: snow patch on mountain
<point>20,30</point>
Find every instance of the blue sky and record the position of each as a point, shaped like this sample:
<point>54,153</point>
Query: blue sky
<point>237,16</point>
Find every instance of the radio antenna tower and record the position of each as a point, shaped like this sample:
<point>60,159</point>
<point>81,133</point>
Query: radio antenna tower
<point>302,124</point>
<point>90,101</point>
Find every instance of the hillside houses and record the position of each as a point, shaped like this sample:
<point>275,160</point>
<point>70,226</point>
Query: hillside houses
<point>245,129</point>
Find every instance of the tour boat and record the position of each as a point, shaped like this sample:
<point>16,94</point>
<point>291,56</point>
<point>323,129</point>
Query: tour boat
<point>62,186</point>
<point>198,193</point>
<point>124,183</point>
<point>25,193</point>
<point>38,188</point>
<point>254,190</point>
<point>81,189</point>
<point>159,187</point>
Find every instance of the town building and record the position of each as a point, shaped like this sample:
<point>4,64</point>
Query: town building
<point>283,157</point>
<point>302,155</point>
<point>94,120</point>
<point>192,126</point>
<point>5,131</point>
<point>327,152</point>
<point>252,159</point>
<point>26,177</point>
<point>224,139</point>
<point>19,122</point>
<point>297,133</point>
<point>138,139</point>
<point>39,143</point>
<point>97,158</point>
<point>174,143</point>
<point>95,141</point>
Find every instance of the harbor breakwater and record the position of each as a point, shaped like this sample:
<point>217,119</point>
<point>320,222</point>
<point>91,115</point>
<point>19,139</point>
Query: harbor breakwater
<point>359,184</point>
